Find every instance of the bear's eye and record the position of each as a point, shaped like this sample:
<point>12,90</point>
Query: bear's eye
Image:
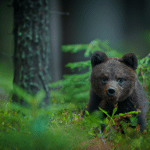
<point>104,80</point>
<point>120,80</point>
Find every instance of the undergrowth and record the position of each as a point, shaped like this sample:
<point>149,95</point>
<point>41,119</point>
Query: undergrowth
<point>61,125</point>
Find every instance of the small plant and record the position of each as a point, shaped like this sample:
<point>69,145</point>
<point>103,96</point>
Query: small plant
<point>143,72</point>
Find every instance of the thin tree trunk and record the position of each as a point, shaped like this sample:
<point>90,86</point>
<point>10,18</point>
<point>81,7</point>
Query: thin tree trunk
<point>32,48</point>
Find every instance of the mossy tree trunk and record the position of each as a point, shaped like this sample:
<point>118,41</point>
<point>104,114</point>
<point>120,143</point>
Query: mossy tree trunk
<point>32,48</point>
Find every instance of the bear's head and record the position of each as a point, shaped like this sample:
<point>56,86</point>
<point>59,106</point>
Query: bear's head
<point>113,79</point>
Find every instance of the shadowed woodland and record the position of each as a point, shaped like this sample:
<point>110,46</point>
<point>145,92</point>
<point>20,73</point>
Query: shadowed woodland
<point>45,75</point>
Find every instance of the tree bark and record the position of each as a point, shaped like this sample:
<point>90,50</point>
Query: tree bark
<point>32,48</point>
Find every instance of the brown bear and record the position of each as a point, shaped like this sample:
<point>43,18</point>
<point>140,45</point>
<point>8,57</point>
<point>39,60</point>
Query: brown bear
<point>114,81</point>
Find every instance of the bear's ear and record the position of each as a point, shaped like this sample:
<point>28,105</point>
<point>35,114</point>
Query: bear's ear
<point>98,57</point>
<point>130,60</point>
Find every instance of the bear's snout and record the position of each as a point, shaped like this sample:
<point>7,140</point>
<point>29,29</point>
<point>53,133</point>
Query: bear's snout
<point>111,92</point>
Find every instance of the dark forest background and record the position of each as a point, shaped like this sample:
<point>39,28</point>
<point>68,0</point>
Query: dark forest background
<point>125,24</point>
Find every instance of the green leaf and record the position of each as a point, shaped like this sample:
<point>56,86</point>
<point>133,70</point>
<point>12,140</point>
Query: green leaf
<point>114,111</point>
<point>86,112</point>
<point>133,121</point>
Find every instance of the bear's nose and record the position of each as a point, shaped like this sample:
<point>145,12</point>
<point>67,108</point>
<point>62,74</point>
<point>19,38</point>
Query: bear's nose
<point>111,92</point>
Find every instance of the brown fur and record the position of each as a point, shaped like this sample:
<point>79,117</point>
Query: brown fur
<point>113,80</point>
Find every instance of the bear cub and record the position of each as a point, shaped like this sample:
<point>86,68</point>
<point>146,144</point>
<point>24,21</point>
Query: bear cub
<point>114,80</point>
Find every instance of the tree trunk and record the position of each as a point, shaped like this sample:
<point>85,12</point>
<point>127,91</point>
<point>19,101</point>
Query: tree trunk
<point>32,48</point>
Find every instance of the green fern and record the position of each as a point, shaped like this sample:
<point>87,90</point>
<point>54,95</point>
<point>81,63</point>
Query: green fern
<point>75,88</point>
